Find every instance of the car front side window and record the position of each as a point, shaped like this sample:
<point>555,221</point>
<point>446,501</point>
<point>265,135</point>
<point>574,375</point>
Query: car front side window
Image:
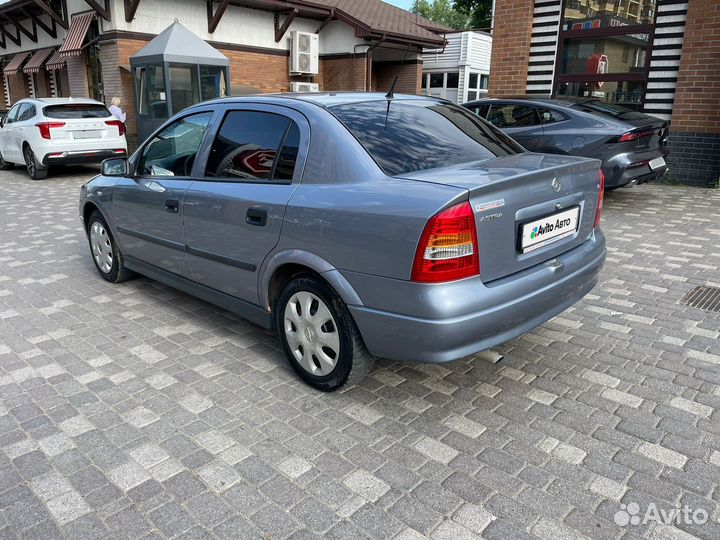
<point>172,152</point>
<point>12,115</point>
<point>254,145</point>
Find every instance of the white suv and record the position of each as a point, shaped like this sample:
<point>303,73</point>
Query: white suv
<point>43,132</point>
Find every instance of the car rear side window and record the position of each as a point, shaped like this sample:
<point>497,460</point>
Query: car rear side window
<point>254,145</point>
<point>549,116</point>
<point>511,115</point>
<point>27,112</point>
<point>403,136</point>
<point>73,111</point>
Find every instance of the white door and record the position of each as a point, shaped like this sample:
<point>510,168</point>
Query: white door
<point>8,143</point>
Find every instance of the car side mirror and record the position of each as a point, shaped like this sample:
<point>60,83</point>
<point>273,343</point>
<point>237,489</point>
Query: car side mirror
<point>115,167</point>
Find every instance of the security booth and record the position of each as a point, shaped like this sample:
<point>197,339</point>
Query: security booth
<point>173,71</point>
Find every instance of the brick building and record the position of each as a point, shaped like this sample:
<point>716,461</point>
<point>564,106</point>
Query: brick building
<point>659,57</point>
<point>82,48</point>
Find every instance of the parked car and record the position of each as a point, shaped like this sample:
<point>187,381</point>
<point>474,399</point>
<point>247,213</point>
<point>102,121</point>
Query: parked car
<point>44,132</point>
<point>631,145</point>
<point>358,226</point>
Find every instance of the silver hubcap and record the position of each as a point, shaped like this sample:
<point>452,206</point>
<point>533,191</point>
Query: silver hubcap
<point>311,333</point>
<point>101,247</point>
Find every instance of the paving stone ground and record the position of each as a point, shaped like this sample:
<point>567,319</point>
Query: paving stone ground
<point>134,411</point>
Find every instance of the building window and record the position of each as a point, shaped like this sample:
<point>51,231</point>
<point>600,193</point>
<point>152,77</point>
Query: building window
<point>603,50</point>
<point>452,80</point>
<point>437,80</point>
<point>477,86</point>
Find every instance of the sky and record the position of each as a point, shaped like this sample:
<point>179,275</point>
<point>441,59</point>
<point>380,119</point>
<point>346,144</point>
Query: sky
<point>405,4</point>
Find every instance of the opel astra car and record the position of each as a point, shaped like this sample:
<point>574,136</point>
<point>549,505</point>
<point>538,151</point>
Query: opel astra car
<point>357,225</point>
<point>40,133</point>
<point>631,145</point>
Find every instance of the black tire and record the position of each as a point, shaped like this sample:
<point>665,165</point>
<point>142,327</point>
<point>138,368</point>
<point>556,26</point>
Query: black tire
<point>4,165</point>
<point>35,171</point>
<point>354,361</point>
<point>117,272</point>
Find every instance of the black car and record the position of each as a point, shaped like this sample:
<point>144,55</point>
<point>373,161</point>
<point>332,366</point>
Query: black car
<point>631,145</point>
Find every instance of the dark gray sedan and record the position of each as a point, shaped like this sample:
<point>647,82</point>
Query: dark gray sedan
<point>357,225</point>
<point>631,145</point>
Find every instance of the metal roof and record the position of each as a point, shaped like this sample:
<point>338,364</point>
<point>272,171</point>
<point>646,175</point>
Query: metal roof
<point>79,26</point>
<point>178,44</point>
<point>37,60</point>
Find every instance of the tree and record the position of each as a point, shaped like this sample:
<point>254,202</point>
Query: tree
<point>443,12</point>
<point>479,12</point>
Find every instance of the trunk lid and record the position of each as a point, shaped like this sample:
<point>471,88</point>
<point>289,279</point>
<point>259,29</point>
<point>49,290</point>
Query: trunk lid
<point>512,195</point>
<point>82,131</point>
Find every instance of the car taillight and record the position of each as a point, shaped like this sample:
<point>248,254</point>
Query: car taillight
<point>601,197</point>
<point>45,128</point>
<point>448,248</point>
<point>118,124</point>
<point>635,135</point>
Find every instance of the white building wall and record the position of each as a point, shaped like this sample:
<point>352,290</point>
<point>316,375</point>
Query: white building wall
<point>239,25</point>
<point>465,53</point>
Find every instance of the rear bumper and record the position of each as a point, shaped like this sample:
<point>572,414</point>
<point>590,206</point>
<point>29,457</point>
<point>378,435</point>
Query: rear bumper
<point>620,170</point>
<point>76,157</point>
<point>480,316</point>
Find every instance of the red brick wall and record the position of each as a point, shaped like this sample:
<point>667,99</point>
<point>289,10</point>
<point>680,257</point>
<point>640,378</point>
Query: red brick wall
<point>19,87</point>
<point>512,28</point>
<point>409,79</point>
<point>698,88</point>
<point>342,73</point>
<point>42,84</point>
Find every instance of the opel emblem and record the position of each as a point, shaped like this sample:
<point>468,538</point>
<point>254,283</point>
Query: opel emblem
<point>556,185</point>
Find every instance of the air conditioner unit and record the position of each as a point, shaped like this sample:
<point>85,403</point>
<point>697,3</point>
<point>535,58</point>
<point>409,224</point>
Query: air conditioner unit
<point>304,87</point>
<point>304,53</point>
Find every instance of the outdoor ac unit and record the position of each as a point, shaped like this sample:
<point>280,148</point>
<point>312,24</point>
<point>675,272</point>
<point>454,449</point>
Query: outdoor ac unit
<point>304,87</point>
<point>304,54</point>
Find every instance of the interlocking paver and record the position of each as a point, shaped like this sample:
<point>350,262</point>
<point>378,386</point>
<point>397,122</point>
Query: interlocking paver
<point>133,409</point>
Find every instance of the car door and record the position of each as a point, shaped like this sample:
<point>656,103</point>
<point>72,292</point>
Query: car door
<point>148,208</point>
<point>234,213</point>
<point>518,120</point>
<point>9,145</point>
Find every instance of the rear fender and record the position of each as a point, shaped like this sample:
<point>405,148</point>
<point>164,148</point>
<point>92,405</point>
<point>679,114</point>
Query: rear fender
<point>312,262</point>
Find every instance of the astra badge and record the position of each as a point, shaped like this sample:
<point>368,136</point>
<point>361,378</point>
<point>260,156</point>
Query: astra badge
<point>556,185</point>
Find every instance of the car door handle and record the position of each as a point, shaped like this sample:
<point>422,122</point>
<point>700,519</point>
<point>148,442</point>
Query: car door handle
<point>172,205</point>
<point>256,216</point>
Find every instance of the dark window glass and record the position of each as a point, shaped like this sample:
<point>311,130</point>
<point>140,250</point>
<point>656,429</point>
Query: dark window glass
<point>484,81</point>
<point>549,116</point>
<point>414,135</point>
<point>591,14</point>
<point>150,81</point>
<point>436,80</point>
<point>247,145</point>
<point>172,151</point>
<point>613,54</point>
<point>510,116</point>
<point>212,82</point>
<point>76,110</point>
<point>452,80</point>
<point>184,88</point>
<point>628,94</point>
<point>473,80</point>
<point>27,112</point>
<point>472,96</point>
<point>285,166</point>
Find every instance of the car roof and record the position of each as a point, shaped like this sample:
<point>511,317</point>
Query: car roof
<point>328,99</point>
<point>564,102</point>
<point>63,101</point>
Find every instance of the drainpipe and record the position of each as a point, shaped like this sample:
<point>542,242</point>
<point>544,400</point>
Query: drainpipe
<point>368,60</point>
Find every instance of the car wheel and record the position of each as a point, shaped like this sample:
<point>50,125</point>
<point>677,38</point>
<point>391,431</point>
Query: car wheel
<point>319,336</point>
<point>4,165</point>
<point>35,172</point>
<point>105,253</point>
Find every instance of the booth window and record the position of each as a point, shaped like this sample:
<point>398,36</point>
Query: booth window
<point>603,50</point>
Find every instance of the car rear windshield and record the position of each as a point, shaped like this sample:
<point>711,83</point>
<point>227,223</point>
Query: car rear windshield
<point>403,136</point>
<point>76,110</point>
